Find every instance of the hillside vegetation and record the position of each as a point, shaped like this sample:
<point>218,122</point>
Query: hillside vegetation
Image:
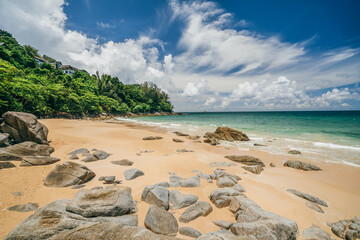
<point>46,91</point>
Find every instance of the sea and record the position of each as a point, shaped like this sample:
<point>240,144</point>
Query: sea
<point>331,136</point>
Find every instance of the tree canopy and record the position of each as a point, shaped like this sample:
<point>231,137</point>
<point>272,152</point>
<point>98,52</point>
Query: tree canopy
<point>47,91</point>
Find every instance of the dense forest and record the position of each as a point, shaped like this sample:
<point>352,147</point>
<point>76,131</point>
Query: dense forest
<point>46,91</point>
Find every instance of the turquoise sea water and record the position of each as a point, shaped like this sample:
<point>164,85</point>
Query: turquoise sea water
<point>324,136</point>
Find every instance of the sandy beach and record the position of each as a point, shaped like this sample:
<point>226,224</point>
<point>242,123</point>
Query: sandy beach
<point>337,184</point>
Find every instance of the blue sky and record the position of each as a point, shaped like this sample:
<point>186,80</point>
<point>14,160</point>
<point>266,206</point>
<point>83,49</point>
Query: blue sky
<point>208,55</point>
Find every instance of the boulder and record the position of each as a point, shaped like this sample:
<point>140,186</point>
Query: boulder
<point>222,197</point>
<point>178,140</point>
<point>252,220</point>
<point>211,141</point>
<point>190,232</point>
<point>308,197</point>
<point>74,157</point>
<point>133,173</point>
<point>6,165</point>
<point>54,222</point>
<point>227,134</point>
<point>102,202</point>
<point>78,186</point>
<point>222,235</point>
<point>314,206</point>
<point>38,160</point>
<point>180,134</point>
<point>18,151</point>
<point>24,207</point>
<point>294,152</point>
<point>152,138</point>
<point>301,165</point>
<point>79,151</point>
<point>107,179</point>
<point>221,164</point>
<point>100,154</point>
<point>147,189</point>
<point>256,169</point>
<point>315,232</point>
<point>161,221</point>
<point>123,162</point>
<point>196,210</point>
<point>193,137</point>
<point>158,196</point>
<point>179,200</point>
<point>272,165</point>
<point>175,180</point>
<point>183,150</point>
<point>205,176</point>
<point>224,179</point>
<point>347,229</point>
<point>4,139</point>
<point>24,127</point>
<point>90,158</point>
<point>223,224</point>
<point>67,174</point>
<point>245,159</point>
<point>190,182</point>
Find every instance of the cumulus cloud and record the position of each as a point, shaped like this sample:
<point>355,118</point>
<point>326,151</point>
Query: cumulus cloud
<point>194,89</point>
<point>42,25</point>
<point>210,101</point>
<point>284,94</point>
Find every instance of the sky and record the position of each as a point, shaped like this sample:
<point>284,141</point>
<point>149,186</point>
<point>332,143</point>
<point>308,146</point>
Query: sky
<point>245,55</point>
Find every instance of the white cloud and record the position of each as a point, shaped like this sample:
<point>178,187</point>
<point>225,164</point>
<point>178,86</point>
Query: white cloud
<point>194,89</point>
<point>42,25</point>
<point>105,25</point>
<point>210,101</point>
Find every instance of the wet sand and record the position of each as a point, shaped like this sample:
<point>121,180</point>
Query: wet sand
<point>337,184</point>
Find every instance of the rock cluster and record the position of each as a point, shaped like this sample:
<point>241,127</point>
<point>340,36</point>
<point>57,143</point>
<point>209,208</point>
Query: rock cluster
<point>226,134</point>
<point>346,229</point>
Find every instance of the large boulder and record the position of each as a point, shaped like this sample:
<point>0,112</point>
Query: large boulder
<point>315,232</point>
<point>252,220</point>
<point>158,196</point>
<point>24,127</point>
<point>179,200</point>
<point>18,151</point>
<point>301,165</point>
<point>161,221</point>
<point>227,134</point>
<point>196,210</point>
<point>68,174</point>
<point>28,161</point>
<point>245,159</point>
<point>102,202</point>
<point>133,173</point>
<point>53,221</point>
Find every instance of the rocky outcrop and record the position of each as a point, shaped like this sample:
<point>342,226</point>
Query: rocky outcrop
<point>190,232</point>
<point>315,232</point>
<point>24,207</point>
<point>253,221</point>
<point>308,197</point>
<point>257,169</point>
<point>123,162</point>
<point>105,208</point>
<point>152,138</point>
<point>24,127</point>
<point>245,159</point>
<point>133,173</point>
<point>18,151</point>
<point>28,161</point>
<point>161,221</point>
<point>6,165</point>
<point>301,165</point>
<point>211,141</point>
<point>222,197</point>
<point>224,179</point>
<point>196,210</point>
<point>67,174</point>
<point>102,202</point>
<point>179,200</point>
<point>346,229</point>
<point>227,134</point>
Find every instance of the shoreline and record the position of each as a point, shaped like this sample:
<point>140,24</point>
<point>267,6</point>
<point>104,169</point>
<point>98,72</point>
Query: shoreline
<point>336,184</point>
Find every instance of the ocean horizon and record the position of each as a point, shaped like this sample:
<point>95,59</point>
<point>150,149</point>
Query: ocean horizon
<point>331,136</point>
